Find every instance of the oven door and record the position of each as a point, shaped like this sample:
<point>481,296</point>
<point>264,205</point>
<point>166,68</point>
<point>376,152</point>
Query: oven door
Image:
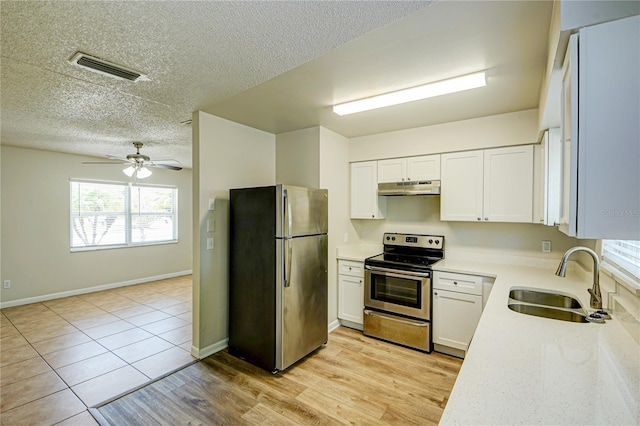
<point>401,292</point>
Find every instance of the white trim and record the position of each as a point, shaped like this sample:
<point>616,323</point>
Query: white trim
<point>625,280</point>
<point>333,325</point>
<point>350,324</point>
<point>209,350</point>
<point>91,289</point>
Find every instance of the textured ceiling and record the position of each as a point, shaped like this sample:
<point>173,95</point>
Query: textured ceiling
<point>273,65</point>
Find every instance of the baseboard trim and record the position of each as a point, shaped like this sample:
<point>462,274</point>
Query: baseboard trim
<point>333,325</point>
<point>94,289</point>
<point>209,350</point>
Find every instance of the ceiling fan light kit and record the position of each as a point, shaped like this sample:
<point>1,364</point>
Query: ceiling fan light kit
<point>430,90</point>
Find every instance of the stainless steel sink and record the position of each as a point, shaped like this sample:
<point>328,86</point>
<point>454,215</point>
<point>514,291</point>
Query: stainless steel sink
<point>542,297</point>
<point>546,304</point>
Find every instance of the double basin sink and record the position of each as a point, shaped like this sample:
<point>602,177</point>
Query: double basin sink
<point>546,304</point>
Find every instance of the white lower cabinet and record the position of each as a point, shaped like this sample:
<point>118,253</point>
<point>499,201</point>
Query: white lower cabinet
<point>351,293</point>
<point>458,301</point>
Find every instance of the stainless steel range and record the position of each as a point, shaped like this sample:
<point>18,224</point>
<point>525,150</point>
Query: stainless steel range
<point>397,295</point>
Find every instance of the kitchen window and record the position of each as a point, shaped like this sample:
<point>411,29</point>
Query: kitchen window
<point>624,254</point>
<point>114,215</point>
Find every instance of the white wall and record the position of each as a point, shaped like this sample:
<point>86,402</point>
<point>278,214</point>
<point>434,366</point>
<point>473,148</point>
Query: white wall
<point>334,175</point>
<point>297,158</point>
<point>421,215</point>
<point>36,229</point>
<point>319,158</point>
<point>517,128</point>
<point>225,155</point>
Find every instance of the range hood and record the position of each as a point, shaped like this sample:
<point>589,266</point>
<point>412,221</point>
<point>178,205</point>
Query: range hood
<point>423,187</point>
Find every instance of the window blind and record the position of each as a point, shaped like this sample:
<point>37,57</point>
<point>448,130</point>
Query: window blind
<point>112,214</point>
<point>623,253</point>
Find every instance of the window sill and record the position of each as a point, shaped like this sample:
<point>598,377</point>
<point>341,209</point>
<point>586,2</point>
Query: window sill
<point>630,283</point>
<point>97,248</point>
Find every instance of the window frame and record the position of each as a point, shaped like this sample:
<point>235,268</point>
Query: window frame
<point>128,214</point>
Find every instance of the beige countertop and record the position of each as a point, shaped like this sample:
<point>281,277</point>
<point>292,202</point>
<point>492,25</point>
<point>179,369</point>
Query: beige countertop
<point>357,252</point>
<point>522,369</point>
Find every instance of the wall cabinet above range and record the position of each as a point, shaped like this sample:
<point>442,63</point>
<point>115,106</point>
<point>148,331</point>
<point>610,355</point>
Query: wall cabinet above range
<point>426,167</point>
<point>492,185</point>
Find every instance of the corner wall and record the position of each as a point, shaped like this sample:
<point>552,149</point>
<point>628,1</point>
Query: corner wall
<point>225,155</point>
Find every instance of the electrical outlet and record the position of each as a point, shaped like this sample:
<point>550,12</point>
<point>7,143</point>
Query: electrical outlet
<point>546,246</point>
<point>7,283</point>
<point>210,243</point>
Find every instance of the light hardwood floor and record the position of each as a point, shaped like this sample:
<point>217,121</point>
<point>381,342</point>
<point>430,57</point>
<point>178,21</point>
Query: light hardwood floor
<point>352,380</point>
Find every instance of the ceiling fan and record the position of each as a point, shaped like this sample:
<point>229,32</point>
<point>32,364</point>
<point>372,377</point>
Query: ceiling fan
<point>138,163</point>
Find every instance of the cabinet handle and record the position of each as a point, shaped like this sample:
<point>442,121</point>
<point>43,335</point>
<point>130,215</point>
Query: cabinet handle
<point>435,294</point>
<point>360,281</point>
<point>479,219</point>
<point>455,283</point>
<point>486,218</point>
<point>349,267</point>
<point>373,215</point>
<point>541,220</point>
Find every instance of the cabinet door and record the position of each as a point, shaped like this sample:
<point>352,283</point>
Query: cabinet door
<point>365,203</point>
<point>568,132</point>
<point>455,318</point>
<point>350,298</point>
<point>392,170</point>
<point>426,167</point>
<point>462,186</point>
<point>508,184</point>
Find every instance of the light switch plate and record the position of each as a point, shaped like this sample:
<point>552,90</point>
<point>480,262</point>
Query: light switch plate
<point>210,243</point>
<point>546,246</point>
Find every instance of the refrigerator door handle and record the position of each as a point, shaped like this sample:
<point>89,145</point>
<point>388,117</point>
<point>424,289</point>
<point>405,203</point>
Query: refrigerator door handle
<point>288,254</point>
<point>287,212</point>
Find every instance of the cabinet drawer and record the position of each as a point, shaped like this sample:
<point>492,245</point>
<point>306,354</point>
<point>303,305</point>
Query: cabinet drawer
<point>470,284</point>
<point>349,267</point>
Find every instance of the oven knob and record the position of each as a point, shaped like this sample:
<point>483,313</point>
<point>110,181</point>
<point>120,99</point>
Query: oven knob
<point>393,238</point>
<point>388,238</point>
<point>430,241</point>
<point>437,241</point>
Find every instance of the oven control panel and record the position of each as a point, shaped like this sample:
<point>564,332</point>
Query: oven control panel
<point>414,240</point>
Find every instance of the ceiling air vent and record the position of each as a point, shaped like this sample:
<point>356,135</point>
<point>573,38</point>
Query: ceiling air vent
<point>106,68</point>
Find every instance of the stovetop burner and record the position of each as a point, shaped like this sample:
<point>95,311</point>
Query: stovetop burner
<point>410,252</point>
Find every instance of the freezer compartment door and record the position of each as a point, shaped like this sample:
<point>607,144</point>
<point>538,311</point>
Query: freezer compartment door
<point>304,325</point>
<point>301,211</point>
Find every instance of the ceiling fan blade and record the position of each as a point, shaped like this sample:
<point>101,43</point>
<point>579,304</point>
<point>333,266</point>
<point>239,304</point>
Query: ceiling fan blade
<point>112,157</point>
<point>163,166</point>
<point>166,161</point>
<point>105,162</point>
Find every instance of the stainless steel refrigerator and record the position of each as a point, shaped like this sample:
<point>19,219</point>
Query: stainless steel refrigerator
<point>278,274</point>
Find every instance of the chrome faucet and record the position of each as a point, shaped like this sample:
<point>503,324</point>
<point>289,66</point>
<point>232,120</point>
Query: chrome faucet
<point>596,296</point>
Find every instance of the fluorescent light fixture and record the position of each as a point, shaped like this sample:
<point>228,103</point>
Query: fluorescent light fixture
<point>452,85</point>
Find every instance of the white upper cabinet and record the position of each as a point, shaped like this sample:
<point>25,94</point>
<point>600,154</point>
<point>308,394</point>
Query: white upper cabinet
<point>462,186</point>
<point>426,167</point>
<point>601,132</point>
<point>508,184</point>
<point>493,185</point>
<point>365,203</point>
<point>547,179</point>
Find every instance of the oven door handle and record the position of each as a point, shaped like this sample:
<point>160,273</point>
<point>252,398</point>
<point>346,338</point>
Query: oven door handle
<point>387,317</point>
<point>398,273</point>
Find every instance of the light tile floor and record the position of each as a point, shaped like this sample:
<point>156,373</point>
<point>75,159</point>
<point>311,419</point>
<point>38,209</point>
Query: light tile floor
<point>61,356</point>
